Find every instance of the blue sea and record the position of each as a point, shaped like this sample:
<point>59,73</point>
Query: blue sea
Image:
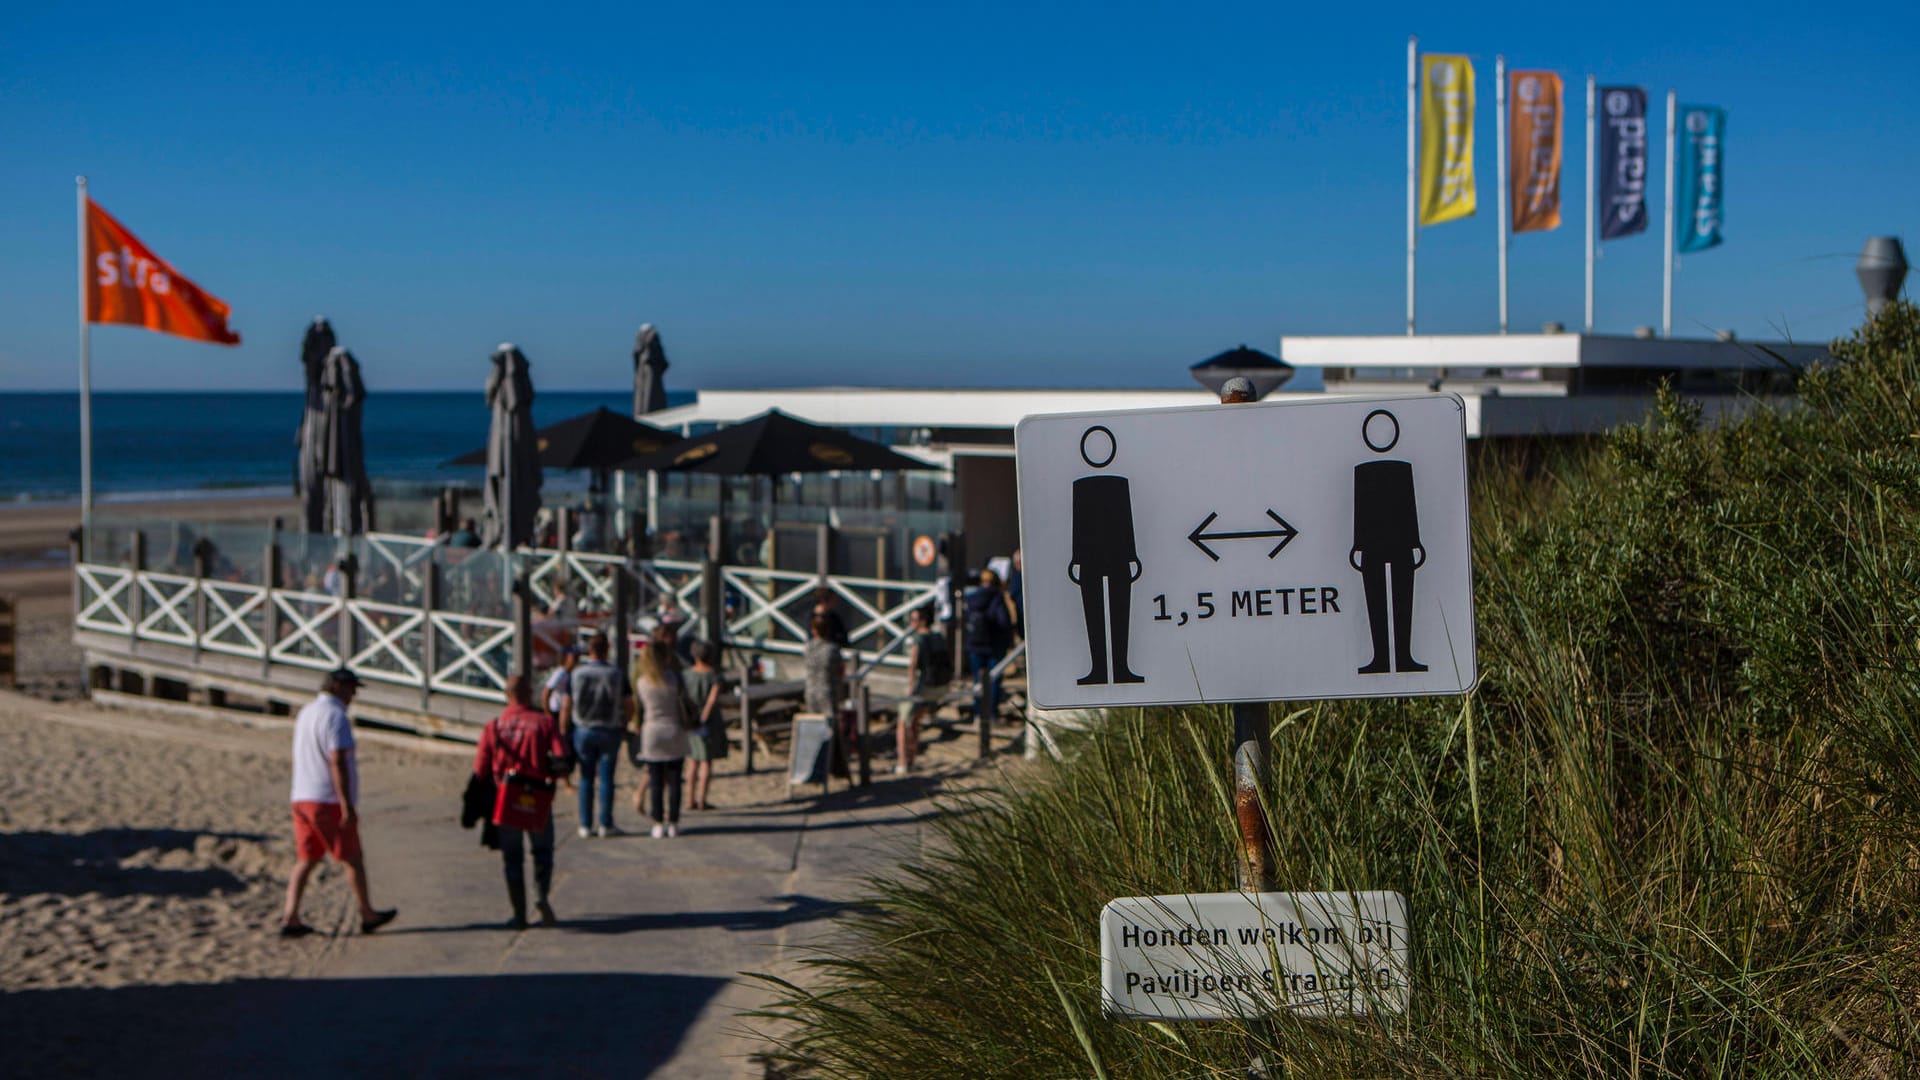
<point>162,445</point>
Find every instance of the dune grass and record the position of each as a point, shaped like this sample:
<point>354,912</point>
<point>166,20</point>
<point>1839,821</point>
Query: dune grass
<point>1674,833</point>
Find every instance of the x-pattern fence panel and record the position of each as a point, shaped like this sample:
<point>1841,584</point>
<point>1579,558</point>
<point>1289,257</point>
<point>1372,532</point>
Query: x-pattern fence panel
<point>676,583</point>
<point>474,654</point>
<point>105,599</point>
<point>167,613</point>
<point>309,629</point>
<point>394,642</point>
<point>777,609</point>
<point>591,575</point>
<point>884,605</point>
<point>236,619</point>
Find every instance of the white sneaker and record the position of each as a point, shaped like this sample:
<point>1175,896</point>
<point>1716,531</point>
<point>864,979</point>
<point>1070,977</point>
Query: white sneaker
<point>608,830</point>
<point>673,830</point>
<point>901,770</point>
<point>659,831</point>
<point>585,832</point>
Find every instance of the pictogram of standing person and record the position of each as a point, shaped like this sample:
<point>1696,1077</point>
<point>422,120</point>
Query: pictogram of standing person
<point>1104,564</point>
<point>1386,544</point>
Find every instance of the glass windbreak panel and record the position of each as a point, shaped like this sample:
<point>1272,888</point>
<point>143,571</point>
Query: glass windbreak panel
<point>236,552</point>
<point>475,581</point>
<point>392,569</point>
<point>111,543</point>
<point>310,562</point>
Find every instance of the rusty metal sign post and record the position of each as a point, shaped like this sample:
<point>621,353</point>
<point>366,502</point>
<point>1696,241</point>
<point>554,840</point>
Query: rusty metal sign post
<point>1252,748</point>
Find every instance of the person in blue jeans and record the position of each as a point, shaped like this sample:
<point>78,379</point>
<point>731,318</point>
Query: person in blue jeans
<point>602,708</point>
<point>989,631</point>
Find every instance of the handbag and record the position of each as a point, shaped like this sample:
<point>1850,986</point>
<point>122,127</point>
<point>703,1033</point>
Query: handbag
<point>523,803</point>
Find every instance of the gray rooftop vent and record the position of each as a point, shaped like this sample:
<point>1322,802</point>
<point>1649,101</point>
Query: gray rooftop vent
<point>1882,267</point>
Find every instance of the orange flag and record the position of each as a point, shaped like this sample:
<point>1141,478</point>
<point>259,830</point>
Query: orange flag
<point>127,283</point>
<point>1533,154</point>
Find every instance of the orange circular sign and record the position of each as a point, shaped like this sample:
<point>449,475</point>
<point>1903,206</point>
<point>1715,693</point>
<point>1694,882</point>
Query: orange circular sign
<point>923,551</point>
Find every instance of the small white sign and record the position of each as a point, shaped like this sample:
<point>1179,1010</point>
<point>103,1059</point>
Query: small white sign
<point>1211,956</point>
<point>1258,552</point>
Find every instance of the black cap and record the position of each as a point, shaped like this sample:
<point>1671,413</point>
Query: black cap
<point>344,675</point>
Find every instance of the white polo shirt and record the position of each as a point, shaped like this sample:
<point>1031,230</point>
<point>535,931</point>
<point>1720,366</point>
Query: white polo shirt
<point>322,728</point>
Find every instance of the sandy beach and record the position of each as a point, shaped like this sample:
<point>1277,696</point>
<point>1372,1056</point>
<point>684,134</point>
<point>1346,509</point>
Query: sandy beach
<point>142,849</point>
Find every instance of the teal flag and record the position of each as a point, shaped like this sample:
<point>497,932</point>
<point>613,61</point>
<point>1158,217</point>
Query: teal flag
<point>1702,191</point>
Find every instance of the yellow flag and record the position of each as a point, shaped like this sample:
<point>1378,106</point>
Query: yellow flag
<point>1446,139</point>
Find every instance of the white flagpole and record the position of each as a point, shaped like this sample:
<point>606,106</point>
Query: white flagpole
<point>1593,146</point>
<point>1666,303</point>
<point>1500,171</point>
<point>1413,169</point>
<point>86,378</point>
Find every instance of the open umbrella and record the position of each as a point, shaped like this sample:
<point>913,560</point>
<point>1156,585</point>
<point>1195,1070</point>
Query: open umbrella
<point>348,501</point>
<point>597,440</point>
<point>512,486</point>
<point>308,481</point>
<point>773,444</point>
<point>649,371</point>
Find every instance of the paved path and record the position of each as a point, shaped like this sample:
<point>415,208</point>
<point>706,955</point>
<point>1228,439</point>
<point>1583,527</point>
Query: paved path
<point>642,976</point>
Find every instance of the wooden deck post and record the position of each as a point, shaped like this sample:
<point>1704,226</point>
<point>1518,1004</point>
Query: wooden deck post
<point>522,625</point>
<point>429,649</point>
<point>202,563</point>
<point>746,724</point>
<point>622,617</point>
<point>863,710</point>
<point>270,626</point>
<point>349,572</point>
<point>136,598</point>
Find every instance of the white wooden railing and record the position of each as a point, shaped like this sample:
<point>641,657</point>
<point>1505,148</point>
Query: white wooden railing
<point>472,654</point>
<point>448,651</point>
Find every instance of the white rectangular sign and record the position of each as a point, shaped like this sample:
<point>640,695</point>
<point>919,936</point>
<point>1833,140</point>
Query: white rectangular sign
<point>1210,956</point>
<point>1247,552</point>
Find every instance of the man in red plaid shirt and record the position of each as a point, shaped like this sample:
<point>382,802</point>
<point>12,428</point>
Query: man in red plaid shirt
<point>519,751</point>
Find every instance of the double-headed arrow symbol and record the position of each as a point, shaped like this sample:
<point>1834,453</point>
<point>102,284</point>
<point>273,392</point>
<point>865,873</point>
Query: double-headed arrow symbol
<point>1284,532</point>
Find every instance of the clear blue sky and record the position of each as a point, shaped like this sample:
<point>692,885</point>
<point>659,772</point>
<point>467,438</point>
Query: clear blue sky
<point>912,194</point>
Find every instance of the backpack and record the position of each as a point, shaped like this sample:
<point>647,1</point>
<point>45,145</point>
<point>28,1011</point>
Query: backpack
<point>987,623</point>
<point>936,660</point>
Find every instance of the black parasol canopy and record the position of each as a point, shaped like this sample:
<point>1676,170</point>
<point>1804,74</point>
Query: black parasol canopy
<point>773,444</point>
<point>598,440</point>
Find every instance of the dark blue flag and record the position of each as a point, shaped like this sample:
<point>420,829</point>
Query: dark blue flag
<point>1623,161</point>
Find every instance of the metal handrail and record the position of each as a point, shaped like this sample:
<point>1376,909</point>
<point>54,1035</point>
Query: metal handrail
<point>860,675</point>
<point>999,670</point>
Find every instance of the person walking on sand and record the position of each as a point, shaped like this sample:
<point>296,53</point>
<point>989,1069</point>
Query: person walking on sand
<point>663,730</point>
<point>326,820</point>
<point>708,743</point>
<point>518,751</point>
<point>602,709</point>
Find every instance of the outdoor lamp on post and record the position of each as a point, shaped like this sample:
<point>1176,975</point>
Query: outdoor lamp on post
<point>1262,373</point>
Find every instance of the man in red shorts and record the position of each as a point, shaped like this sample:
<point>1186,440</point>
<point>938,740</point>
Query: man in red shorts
<point>325,783</point>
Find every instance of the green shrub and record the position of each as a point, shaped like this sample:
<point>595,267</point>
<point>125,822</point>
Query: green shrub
<point>1674,833</point>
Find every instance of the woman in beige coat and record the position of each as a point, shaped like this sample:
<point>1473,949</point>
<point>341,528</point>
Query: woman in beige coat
<point>663,729</point>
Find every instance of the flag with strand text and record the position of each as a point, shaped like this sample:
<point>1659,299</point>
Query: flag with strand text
<point>1702,192</point>
<point>128,284</point>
